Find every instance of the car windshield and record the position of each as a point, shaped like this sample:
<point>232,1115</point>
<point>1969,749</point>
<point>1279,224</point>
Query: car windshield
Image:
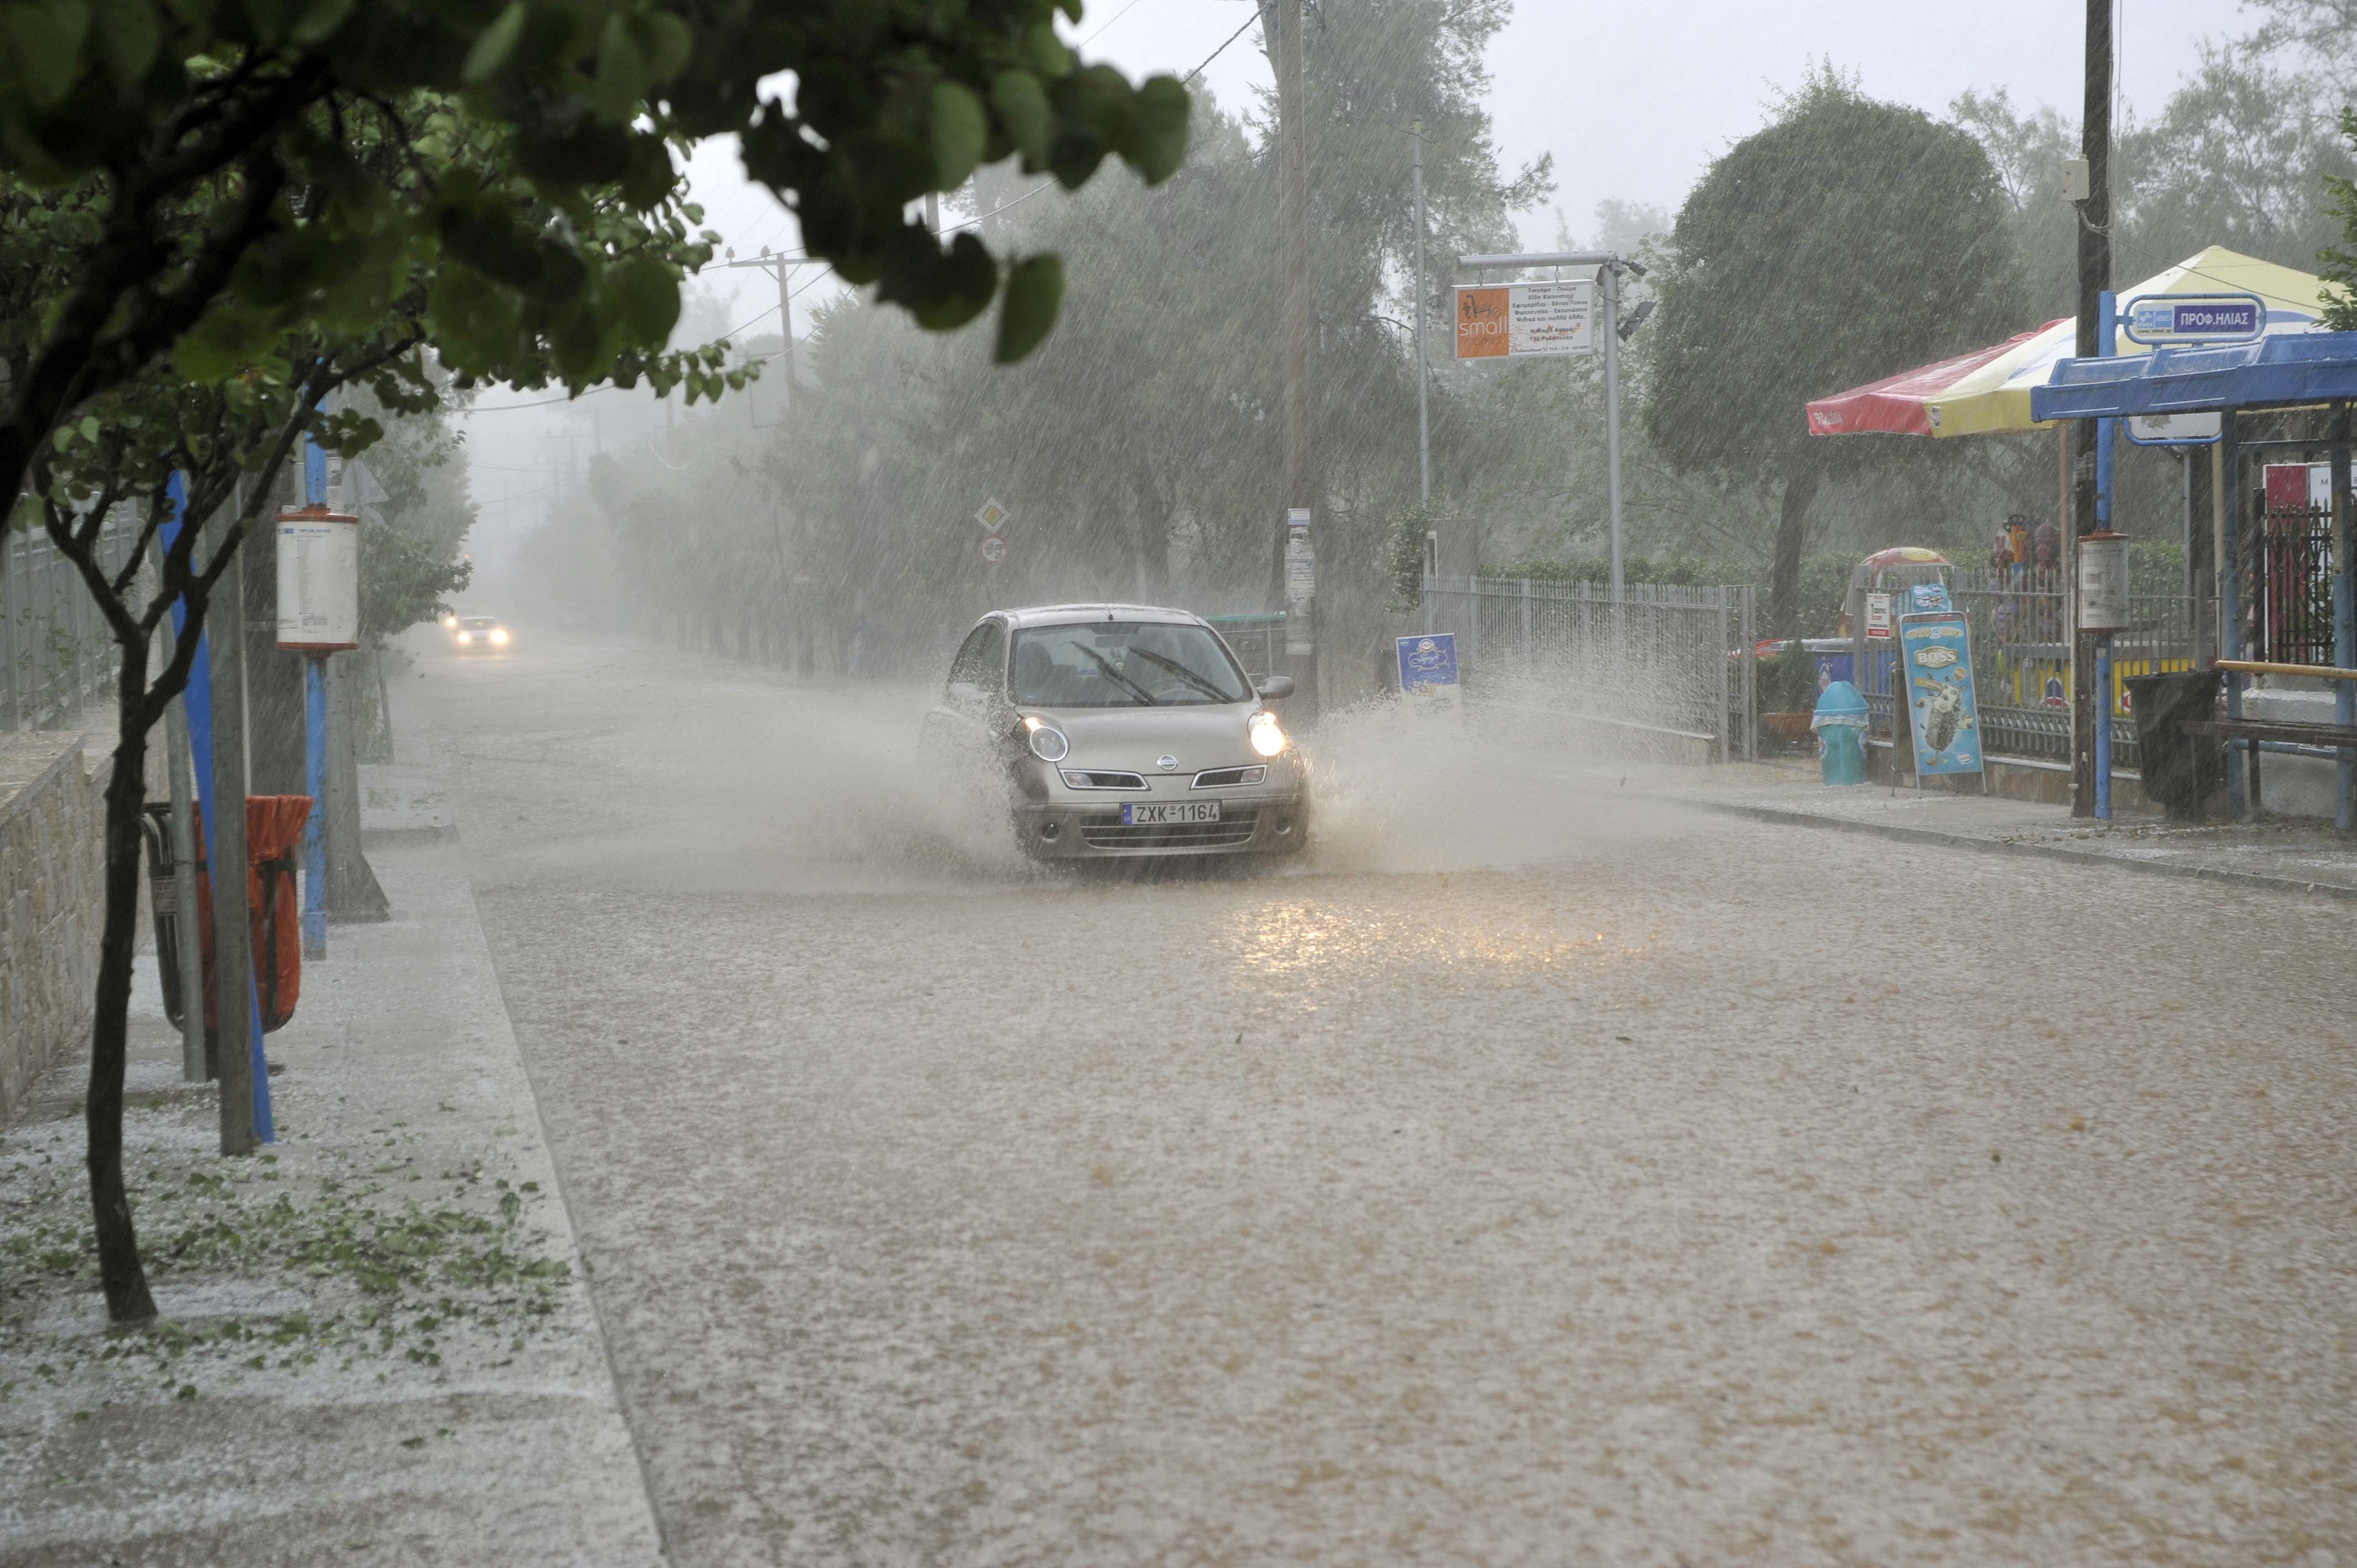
<point>1124,664</point>
<point>480,623</point>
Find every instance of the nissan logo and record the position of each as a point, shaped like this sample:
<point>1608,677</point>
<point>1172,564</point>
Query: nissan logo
<point>1167,764</point>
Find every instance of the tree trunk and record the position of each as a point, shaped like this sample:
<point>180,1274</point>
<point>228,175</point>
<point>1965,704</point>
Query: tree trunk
<point>119,1270</point>
<point>1792,536</point>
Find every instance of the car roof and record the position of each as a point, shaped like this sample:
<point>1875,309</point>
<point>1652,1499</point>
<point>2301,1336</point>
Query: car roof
<point>1067,615</point>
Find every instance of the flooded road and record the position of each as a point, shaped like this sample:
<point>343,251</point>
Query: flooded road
<point>1535,1174</point>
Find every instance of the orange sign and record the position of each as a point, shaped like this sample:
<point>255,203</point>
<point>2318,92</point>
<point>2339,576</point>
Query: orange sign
<point>1482,324</point>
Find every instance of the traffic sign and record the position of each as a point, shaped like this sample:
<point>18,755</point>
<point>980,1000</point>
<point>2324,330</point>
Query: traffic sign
<point>2193,318</point>
<point>994,548</point>
<point>991,517</point>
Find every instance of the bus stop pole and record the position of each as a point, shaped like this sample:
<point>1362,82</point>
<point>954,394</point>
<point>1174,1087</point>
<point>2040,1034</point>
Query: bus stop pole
<point>2344,616</point>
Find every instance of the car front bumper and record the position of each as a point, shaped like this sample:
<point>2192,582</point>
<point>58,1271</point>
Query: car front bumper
<point>1252,821</point>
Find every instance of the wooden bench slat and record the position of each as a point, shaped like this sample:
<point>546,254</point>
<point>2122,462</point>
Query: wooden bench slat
<point>2265,729</point>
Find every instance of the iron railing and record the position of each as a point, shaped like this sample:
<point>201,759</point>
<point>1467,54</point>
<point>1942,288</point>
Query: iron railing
<point>1668,659</point>
<point>2288,591</point>
<point>2021,661</point>
<point>56,654</point>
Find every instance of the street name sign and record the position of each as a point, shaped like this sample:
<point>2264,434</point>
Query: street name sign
<point>1525,320</point>
<point>2193,318</point>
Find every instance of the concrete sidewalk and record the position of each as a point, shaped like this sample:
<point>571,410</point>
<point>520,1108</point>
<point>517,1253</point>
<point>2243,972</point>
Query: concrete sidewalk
<point>378,1344</point>
<point>2298,857</point>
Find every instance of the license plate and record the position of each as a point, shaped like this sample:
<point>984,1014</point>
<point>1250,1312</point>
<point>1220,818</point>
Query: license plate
<point>1146,813</point>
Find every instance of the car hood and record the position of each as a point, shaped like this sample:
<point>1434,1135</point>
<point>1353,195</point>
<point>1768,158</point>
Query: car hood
<point>1133,738</point>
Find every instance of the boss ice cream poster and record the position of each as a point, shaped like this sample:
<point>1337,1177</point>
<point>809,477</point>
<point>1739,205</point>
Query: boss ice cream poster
<point>1935,650</point>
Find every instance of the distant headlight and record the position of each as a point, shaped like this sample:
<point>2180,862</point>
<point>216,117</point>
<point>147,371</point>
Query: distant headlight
<point>466,637</point>
<point>450,621</point>
<point>499,639</point>
<point>1048,742</point>
<point>1266,737</point>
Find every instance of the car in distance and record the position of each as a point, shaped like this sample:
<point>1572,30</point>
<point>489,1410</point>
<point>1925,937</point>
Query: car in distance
<point>478,634</point>
<point>1122,730</point>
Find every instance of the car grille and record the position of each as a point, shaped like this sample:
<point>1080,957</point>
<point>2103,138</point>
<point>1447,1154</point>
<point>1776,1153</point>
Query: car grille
<point>1233,829</point>
<point>1101,779</point>
<point>1227,777</point>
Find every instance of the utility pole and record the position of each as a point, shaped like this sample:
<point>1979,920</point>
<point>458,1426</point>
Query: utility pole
<point>233,1007</point>
<point>1423,372</point>
<point>1293,221</point>
<point>2088,706</point>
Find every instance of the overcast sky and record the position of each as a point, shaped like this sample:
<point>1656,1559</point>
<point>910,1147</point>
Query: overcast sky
<point>1633,100</point>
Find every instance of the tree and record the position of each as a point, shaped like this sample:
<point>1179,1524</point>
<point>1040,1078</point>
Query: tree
<point>192,131</point>
<point>219,215</point>
<point>2338,264</point>
<point>1847,241</point>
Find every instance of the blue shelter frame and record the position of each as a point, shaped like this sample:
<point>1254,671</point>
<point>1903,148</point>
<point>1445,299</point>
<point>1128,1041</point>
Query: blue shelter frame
<point>2315,369</point>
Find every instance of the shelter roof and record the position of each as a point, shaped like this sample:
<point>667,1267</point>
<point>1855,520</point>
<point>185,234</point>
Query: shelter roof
<point>2273,372</point>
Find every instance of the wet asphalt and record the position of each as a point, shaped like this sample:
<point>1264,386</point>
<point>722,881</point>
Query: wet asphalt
<point>1534,1174</point>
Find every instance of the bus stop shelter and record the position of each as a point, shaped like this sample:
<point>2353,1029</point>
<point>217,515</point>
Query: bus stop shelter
<point>2307,371</point>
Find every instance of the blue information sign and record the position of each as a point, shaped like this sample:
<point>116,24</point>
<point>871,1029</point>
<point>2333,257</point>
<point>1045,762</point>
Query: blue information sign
<point>1428,664</point>
<point>2186,319</point>
<point>1935,652</point>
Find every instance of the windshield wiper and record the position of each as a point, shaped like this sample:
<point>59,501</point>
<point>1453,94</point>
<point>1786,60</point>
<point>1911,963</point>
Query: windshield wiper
<point>1145,697</point>
<point>1186,675</point>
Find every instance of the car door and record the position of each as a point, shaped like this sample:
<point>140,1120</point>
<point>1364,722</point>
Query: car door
<point>974,692</point>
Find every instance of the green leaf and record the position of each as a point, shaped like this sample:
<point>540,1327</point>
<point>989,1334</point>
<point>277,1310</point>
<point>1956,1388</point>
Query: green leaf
<point>648,295</point>
<point>320,21</point>
<point>1022,106</point>
<point>493,45</point>
<point>1047,54</point>
<point>960,131</point>
<point>1156,144</point>
<point>46,41</point>
<point>1035,288</point>
<point>90,427</point>
<point>668,44</point>
<point>128,33</point>
<point>621,81</point>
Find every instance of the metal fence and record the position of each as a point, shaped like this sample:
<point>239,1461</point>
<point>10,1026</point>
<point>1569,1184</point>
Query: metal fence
<point>56,654</point>
<point>2288,577</point>
<point>2021,661</point>
<point>1672,661</point>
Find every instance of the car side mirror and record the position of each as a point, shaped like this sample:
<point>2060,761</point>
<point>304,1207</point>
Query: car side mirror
<point>965,693</point>
<point>1275,687</point>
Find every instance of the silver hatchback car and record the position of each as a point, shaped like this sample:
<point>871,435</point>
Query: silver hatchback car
<point>1124,730</point>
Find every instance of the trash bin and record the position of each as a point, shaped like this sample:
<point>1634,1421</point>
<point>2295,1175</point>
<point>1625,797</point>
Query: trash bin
<point>1840,723</point>
<point>2181,771</point>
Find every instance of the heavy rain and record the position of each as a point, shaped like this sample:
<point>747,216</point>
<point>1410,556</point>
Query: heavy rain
<point>1357,781</point>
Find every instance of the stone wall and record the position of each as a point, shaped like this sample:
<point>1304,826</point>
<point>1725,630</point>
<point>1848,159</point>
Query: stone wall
<point>52,892</point>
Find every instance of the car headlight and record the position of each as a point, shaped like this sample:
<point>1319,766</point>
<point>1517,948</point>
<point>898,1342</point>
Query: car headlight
<point>1266,737</point>
<point>451,622</point>
<point>1048,742</point>
<point>499,639</point>
<point>466,637</point>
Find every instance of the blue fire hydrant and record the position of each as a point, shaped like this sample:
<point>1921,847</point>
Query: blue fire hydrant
<point>1840,723</point>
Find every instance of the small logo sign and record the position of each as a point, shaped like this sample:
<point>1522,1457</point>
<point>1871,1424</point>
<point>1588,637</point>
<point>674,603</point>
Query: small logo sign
<point>1167,764</point>
<point>994,549</point>
<point>991,517</point>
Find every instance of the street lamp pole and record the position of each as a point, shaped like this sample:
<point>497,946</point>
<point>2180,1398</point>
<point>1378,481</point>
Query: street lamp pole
<point>1423,371</point>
